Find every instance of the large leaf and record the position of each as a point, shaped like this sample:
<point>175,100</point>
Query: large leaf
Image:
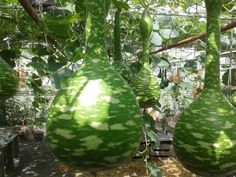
<point>161,62</point>
<point>9,56</point>
<point>53,65</point>
<point>154,170</point>
<point>41,50</point>
<point>38,64</point>
<point>120,4</point>
<point>59,26</point>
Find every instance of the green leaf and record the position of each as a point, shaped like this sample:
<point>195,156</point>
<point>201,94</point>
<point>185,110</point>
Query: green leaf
<point>9,56</point>
<point>120,4</point>
<point>161,62</point>
<point>153,136</point>
<point>70,7</point>
<point>128,49</point>
<point>40,50</point>
<point>37,63</point>
<point>53,65</point>
<point>146,120</point>
<point>36,84</point>
<point>59,26</point>
<point>154,170</point>
<point>156,38</point>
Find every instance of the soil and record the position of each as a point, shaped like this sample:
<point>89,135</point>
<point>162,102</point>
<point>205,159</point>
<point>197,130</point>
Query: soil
<point>37,160</point>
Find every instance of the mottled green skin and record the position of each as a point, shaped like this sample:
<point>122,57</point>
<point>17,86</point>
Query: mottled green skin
<point>123,70</point>
<point>8,81</point>
<point>233,99</point>
<point>204,139</point>
<point>145,85</point>
<point>119,65</point>
<point>94,122</point>
<point>146,88</point>
<point>146,25</point>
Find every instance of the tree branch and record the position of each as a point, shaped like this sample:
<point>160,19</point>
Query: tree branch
<point>193,38</point>
<point>31,11</point>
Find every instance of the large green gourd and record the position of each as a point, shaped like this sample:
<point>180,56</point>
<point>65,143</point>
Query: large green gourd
<point>205,138</point>
<point>118,63</point>
<point>94,122</point>
<point>8,80</point>
<point>145,84</point>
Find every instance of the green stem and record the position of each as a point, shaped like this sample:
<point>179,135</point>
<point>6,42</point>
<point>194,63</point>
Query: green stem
<point>146,48</point>
<point>117,41</point>
<point>212,76</point>
<point>95,31</point>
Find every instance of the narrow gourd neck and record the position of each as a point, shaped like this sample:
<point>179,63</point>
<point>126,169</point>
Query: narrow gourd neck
<point>95,32</point>
<point>145,27</point>
<point>146,49</point>
<point>212,75</point>
<point>117,41</point>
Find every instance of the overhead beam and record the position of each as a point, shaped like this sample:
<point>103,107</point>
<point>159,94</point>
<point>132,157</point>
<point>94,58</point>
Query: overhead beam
<point>200,36</point>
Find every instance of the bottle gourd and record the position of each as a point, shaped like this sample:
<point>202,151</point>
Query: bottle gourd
<point>118,63</point>
<point>8,81</point>
<point>94,122</point>
<point>205,138</point>
<point>145,85</point>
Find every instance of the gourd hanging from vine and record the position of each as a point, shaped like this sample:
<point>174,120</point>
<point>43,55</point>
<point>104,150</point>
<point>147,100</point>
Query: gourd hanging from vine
<point>118,63</point>
<point>8,81</point>
<point>145,84</point>
<point>205,139</point>
<point>94,122</point>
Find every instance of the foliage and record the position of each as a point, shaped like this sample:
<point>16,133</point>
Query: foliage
<point>55,48</point>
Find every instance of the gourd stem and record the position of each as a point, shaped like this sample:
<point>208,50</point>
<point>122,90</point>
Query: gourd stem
<point>95,31</point>
<point>212,75</point>
<point>117,41</point>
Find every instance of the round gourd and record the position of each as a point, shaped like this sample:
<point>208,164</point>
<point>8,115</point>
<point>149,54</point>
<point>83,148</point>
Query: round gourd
<point>225,77</point>
<point>145,84</point>
<point>119,65</point>
<point>8,80</point>
<point>94,122</point>
<point>204,139</point>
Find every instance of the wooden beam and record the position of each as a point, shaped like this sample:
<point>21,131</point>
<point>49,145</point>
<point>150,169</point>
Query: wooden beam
<point>200,36</point>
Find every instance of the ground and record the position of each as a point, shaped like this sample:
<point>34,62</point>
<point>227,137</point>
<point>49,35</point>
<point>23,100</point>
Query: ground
<point>36,160</point>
